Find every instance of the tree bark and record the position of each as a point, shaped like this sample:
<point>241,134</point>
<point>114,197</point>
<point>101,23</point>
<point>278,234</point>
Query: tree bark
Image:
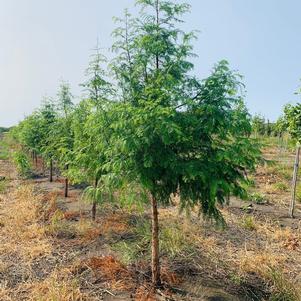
<point>51,171</point>
<point>93,210</point>
<point>156,280</point>
<point>36,160</point>
<point>294,183</point>
<point>66,184</point>
<point>43,167</point>
<point>94,202</point>
<point>66,187</point>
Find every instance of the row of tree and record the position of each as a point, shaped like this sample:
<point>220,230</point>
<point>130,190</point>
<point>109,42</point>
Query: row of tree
<point>263,127</point>
<point>146,120</point>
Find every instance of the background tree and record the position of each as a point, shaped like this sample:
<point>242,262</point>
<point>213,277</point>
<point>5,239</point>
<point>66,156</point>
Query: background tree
<point>61,136</point>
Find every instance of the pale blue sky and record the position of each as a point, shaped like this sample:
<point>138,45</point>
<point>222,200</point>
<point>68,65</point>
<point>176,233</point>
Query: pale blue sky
<point>42,41</point>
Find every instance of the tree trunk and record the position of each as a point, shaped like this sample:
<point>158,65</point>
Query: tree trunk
<point>51,171</point>
<point>66,184</point>
<point>43,167</point>
<point>66,187</point>
<point>294,183</point>
<point>36,160</point>
<point>156,281</point>
<point>94,203</point>
<point>93,210</point>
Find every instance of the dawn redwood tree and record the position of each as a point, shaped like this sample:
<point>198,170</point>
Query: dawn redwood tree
<point>172,133</point>
<point>61,135</point>
<point>48,115</point>
<point>91,126</point>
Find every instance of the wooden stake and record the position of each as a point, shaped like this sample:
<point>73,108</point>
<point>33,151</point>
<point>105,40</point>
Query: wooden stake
<point>294,183</point>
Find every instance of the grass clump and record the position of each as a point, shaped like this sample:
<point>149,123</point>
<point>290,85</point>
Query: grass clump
<point>59,227</point>
<point>3,186</point>
<point>280,186</point>
<point>283,289</point>
<point>173,241</point>
<point>248,223</point>
<point>256,197</point>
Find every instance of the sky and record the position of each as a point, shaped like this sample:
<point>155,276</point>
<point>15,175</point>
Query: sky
<point>44,41</point>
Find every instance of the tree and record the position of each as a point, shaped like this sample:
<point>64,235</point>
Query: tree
<point>91,127</point>
<point>172,133</point>
<point>293,123</point>
<point>61,135</point>
<point>258,125</point>
<point>34,133</point>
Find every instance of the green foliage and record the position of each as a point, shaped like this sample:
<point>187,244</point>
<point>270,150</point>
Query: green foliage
<point>148,122</point>
<point>263,127</point>
<point>22,163</point>
<point>293,121</point>
<point>93,194</point>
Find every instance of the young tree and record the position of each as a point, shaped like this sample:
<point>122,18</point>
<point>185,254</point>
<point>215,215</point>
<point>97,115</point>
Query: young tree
<point>61,136</point>
<point>172,133</point>
<point>35,131</point>
<point>293,123</point>
<point>91,127</point>
<point>258,125</point>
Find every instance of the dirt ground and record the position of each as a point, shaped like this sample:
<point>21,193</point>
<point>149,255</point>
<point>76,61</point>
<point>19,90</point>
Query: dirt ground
<point>51,250</point>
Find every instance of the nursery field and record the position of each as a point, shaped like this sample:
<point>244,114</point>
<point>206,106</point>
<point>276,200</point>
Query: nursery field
<point>50,249</point>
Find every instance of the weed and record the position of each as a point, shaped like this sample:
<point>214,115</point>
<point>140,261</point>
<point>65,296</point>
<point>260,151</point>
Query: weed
<point>248,223</point>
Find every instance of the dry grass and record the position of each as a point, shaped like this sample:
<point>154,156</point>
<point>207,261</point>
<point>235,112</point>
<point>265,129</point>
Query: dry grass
<point>22,233</point>
<point>60,285</point>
